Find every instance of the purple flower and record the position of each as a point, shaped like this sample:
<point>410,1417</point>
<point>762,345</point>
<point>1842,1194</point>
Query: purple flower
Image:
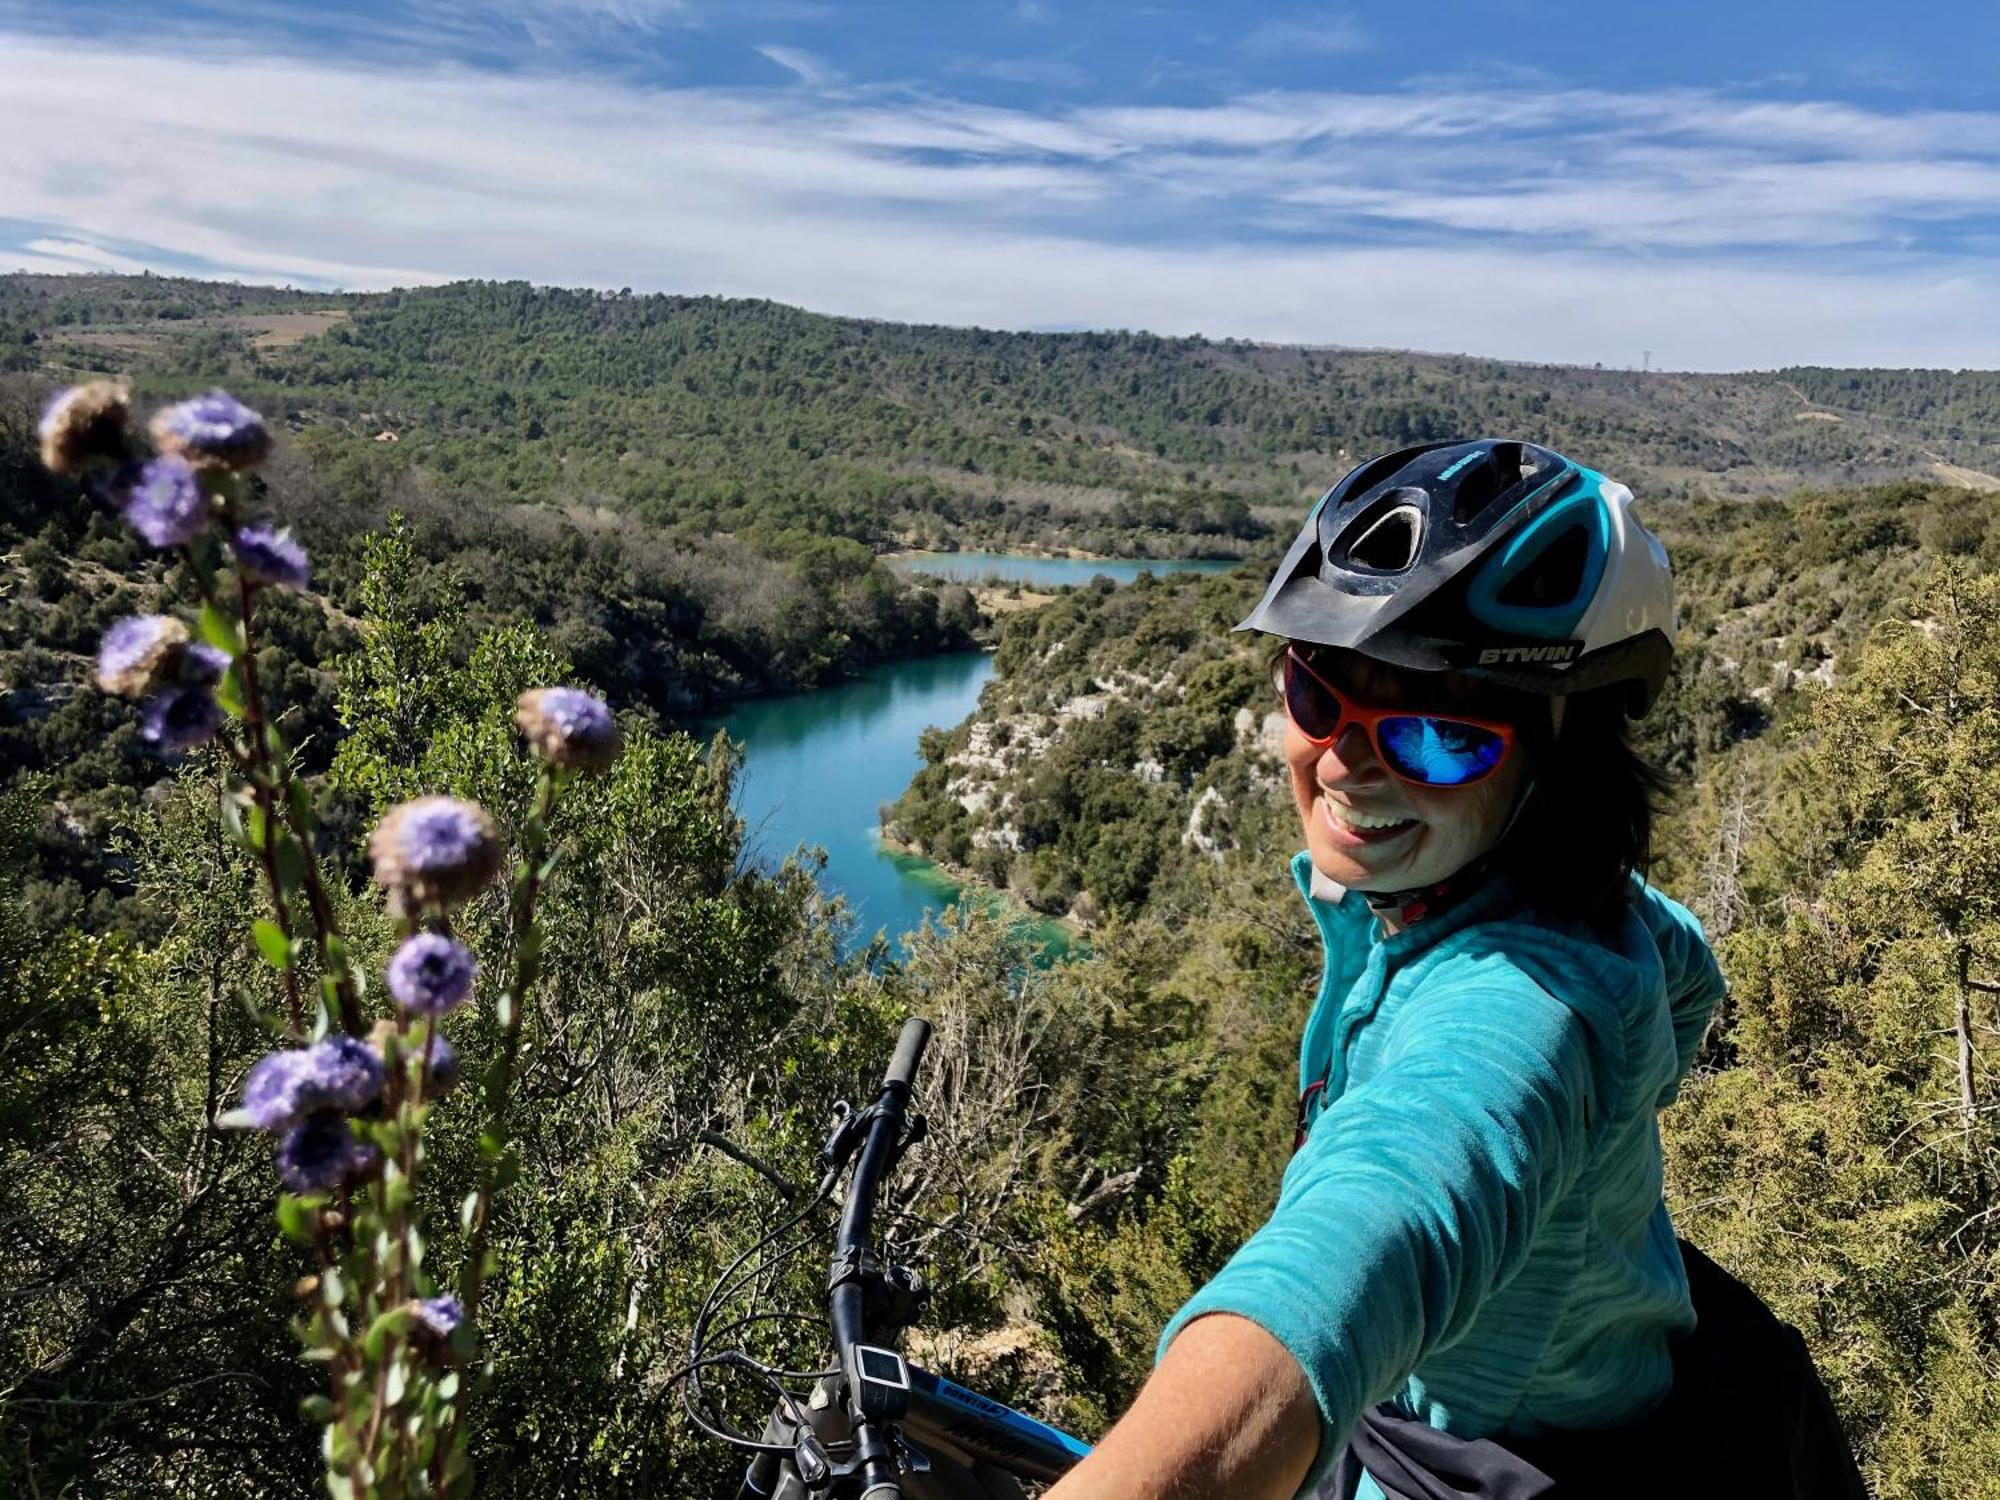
<point>164,503</point>
<point>137,653</point>
<point>213,431</point>
<point>84,424</point>
<point>271,556</point>
<point>180,718</point>
<point>435,849</point>
<point>442,1075</point>
<point>271,1093</point>
<point>183,712</point>
<point>431,975</point>
<point>568,727</point>
<point>339,1072</point>
<point>320,1153</point>
<point>439,1316</point>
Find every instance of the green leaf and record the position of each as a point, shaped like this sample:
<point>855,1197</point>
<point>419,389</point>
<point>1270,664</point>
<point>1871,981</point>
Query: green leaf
<point>302,802</point>
<point>390,1324</point>
<point>332,1290</point>
<point>220,631</point>
<point>466,1210</point>
<point>394,1382</point>
<point>232,819</point>
<point>297,1217</point>
<point>508,1170</point>
<point>291,862</point>
<point>316,1409</point>
<point>229,692</point>
<point>272,943</point>
<point>447,1386</point>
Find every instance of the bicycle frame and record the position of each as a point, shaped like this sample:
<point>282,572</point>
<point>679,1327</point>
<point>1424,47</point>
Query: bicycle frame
<point>940,1441</point>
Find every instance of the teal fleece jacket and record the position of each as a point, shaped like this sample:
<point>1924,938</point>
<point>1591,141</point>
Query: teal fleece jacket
<point>1473,1227</point>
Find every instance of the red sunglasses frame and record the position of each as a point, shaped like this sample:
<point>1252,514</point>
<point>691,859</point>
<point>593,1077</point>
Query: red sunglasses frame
<point>1368,718</point>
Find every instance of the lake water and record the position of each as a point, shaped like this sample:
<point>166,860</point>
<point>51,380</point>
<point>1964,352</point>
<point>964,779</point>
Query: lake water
<point>1044,572</point>
<point>818,766</point>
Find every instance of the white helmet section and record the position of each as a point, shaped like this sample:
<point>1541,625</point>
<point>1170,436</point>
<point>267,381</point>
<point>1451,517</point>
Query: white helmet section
<point>1636,593</point>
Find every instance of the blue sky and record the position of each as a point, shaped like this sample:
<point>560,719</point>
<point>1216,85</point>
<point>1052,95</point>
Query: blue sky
<point>1721,185</point>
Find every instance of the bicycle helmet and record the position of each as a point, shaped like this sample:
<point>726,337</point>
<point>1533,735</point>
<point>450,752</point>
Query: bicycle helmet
<point>1497,558</point>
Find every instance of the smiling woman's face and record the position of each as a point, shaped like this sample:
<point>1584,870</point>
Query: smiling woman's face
<point>1366,827</point>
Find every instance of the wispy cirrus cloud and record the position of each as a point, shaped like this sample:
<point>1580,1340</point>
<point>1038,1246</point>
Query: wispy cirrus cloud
<point>813,72</point>
<point>1545,223</point>
<point>1323,33</point>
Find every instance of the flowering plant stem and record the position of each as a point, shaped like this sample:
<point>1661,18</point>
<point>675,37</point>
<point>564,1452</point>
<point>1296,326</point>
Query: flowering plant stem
<point>347,1110</point>
<point>267,767</point>
<point>496,1160</point>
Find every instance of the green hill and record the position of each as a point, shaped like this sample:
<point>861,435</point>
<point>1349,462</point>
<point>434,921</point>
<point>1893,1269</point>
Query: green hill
<point>715,415</point>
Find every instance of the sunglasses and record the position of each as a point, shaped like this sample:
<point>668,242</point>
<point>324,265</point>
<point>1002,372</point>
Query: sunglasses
<point>1423,749</point>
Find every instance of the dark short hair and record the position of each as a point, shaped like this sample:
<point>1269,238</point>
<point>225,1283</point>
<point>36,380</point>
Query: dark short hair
<point>1587,826</point>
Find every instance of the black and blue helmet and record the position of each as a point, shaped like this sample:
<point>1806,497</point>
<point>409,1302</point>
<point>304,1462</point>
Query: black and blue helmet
<point>1493,557</point>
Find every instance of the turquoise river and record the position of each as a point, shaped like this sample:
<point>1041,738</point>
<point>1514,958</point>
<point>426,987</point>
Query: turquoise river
<point>818,766</point>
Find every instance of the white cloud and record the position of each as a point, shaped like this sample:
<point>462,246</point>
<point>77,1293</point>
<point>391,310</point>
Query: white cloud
<point>812,71</point>
<point>1325,33</point>
<point>1530,223</point>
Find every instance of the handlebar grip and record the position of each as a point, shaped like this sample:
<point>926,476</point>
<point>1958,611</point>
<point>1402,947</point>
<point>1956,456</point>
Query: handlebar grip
<point>909,1051</point>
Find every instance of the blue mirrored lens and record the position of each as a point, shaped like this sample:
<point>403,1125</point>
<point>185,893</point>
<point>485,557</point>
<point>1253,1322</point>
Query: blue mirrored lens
<point>1439,752</point>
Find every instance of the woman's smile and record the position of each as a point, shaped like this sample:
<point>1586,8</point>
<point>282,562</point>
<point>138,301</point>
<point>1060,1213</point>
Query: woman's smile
<point>1358,828</point>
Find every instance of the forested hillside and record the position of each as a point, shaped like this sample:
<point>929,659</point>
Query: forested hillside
<point>714,415</point>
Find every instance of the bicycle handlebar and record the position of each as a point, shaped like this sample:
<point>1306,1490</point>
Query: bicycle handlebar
<point>909,1052</point>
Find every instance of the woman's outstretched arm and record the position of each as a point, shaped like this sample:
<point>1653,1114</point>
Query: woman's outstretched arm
<point>1228,1413</point>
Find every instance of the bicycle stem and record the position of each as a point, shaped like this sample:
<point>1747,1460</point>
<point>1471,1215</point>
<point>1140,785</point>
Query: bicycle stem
<point>847,1293</point>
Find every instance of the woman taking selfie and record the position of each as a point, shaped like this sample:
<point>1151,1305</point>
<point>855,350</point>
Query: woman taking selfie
<point>1470,1284</point>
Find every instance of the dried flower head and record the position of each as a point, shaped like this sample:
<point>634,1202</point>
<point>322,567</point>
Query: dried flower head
<point>137,653</point>
<point>431,974</point>
<point>320,1153</point>
<point>213,431</point>
<point>435,849</point>
<point>270,556</point>
<point>569,727</point>
<point>164,502</point>
<point>85,424</point>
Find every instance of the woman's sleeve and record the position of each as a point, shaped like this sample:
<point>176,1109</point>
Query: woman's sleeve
<point>1418,1193</point>
<point>1694,980</point>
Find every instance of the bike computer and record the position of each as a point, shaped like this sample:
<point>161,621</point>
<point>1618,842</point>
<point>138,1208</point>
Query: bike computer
<point>881,1382</point>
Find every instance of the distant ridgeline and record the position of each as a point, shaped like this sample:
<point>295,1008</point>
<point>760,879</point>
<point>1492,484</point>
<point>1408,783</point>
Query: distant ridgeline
<point>734,415</point>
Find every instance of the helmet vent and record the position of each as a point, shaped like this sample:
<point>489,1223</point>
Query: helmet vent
<point>1391,542</point>
<point>1504,466</point>
<point>1554,578</point>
